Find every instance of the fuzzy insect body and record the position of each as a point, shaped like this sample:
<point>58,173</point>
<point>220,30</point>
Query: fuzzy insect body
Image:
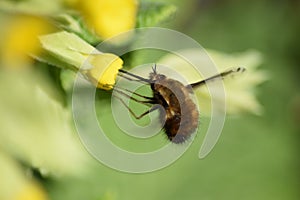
<point>180,115</point>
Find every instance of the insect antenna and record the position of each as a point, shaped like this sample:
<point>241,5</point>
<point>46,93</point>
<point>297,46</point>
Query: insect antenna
<point>154,69</point>
<point>221,75</point>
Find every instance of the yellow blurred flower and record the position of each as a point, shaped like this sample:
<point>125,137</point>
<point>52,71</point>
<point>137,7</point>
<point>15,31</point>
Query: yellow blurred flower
<point>31,191</point>
<point>19,39</point>
<point>108,17</point>
<point>15,185</point>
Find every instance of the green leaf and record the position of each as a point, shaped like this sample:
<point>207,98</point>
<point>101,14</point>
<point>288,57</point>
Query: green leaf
<point>49,59</point>
<point>73,23</point>
<point>66,47</point>
<point>44,136</point>
<point>152,14</point>
<point>67,78</point>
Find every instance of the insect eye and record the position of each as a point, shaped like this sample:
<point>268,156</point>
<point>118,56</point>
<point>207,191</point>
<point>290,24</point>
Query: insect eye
<point>160,77</point>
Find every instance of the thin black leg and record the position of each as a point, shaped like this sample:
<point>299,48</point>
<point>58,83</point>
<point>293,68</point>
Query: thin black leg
<point>135,99</point>
<point>133,114</point>
<point>137,94</point>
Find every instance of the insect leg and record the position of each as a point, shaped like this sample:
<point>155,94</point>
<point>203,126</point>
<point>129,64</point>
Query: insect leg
<point>133,114</point>
<point>137,94</point>
<point>134,99</point>
<point>221,75</point>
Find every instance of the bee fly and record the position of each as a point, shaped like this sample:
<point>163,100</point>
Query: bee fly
<point>180,115</point>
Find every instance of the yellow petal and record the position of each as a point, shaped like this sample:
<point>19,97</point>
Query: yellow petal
<point>105,69</point>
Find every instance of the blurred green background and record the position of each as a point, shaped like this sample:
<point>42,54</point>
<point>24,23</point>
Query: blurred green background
<point>256,157</point>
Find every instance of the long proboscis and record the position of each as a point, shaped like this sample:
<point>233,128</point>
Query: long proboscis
<point>132,75</point>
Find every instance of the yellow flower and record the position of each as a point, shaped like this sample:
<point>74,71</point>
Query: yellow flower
<point>100,68</point>
<point>105,70</point>
<point>19,39</point>
<point>109,17</point>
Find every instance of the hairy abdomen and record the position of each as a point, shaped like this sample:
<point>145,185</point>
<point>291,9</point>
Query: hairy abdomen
<point>181,113</point>
<point>180,126</point>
